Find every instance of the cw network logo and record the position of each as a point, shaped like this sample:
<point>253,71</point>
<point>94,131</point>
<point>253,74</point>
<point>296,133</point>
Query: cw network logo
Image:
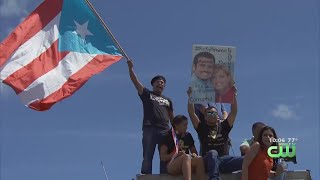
<point>284,150</point>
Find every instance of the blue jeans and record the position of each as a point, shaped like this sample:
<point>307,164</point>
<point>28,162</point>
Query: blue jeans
<point>225,164</point>
<point>151,137</point>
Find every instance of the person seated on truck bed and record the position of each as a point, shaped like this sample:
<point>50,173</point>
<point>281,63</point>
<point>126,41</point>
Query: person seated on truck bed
<point>179,152</point>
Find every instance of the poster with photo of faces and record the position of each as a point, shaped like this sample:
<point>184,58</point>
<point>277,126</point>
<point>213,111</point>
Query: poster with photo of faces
<point>212,74</point>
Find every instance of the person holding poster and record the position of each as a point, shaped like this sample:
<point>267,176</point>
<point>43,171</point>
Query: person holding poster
<point>202,69</point>
<point>214,135</point>
<point>200,110</point>
<point>223,84</point>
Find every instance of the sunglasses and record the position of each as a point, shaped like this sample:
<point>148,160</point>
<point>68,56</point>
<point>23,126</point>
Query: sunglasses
<point>212,113</point>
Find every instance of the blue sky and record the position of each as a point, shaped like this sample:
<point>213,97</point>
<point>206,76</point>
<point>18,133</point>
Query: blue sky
<point>277,75</point>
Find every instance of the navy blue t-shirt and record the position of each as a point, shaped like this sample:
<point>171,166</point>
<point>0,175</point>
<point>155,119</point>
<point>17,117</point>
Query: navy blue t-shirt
<point>155,109</point>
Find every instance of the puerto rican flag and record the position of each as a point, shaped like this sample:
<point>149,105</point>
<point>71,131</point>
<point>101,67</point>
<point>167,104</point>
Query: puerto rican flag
<point>176,144</point>
<point>54,52</point>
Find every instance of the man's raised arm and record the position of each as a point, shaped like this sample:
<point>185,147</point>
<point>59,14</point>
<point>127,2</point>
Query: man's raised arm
<point>224,113</point>
<point>194,118</point>
<point>234,110</point>
<point>134,78</point>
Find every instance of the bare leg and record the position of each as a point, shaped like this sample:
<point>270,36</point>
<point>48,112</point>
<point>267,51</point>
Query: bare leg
<point>181,164</point>
<point>197,165</point>
<point>186,167</point>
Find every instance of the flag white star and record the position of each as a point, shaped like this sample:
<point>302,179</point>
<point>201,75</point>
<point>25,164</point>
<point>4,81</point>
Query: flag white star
<point>82,30</point>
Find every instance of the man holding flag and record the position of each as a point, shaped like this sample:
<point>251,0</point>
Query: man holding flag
<point>157,112</point>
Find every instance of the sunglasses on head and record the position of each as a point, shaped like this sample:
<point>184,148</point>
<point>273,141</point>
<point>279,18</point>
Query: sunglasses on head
<point>212,113</point>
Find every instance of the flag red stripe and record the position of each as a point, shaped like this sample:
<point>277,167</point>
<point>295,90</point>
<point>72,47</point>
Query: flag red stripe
<point>47,61</point>
<point>76,81</point>
<point>29,27</point>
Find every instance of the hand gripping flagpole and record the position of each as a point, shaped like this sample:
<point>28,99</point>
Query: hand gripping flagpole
<point>106,27</point>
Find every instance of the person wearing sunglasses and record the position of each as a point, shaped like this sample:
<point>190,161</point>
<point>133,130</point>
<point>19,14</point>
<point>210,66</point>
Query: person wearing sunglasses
<point>200,112</point>
<point>214,135</point>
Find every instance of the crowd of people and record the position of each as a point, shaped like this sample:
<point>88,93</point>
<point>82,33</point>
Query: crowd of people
<point>211,121</point>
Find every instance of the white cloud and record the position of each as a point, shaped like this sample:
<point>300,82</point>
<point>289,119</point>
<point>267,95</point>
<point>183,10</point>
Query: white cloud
<point>285,112</point>
<point>13,8</point>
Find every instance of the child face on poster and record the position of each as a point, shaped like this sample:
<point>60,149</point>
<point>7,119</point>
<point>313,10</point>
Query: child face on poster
<point>203,65</point>
<point>222,79</point>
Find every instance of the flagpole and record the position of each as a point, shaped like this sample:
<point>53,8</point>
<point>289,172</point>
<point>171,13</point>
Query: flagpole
<point>104,170</point>
<point>106,27</point>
